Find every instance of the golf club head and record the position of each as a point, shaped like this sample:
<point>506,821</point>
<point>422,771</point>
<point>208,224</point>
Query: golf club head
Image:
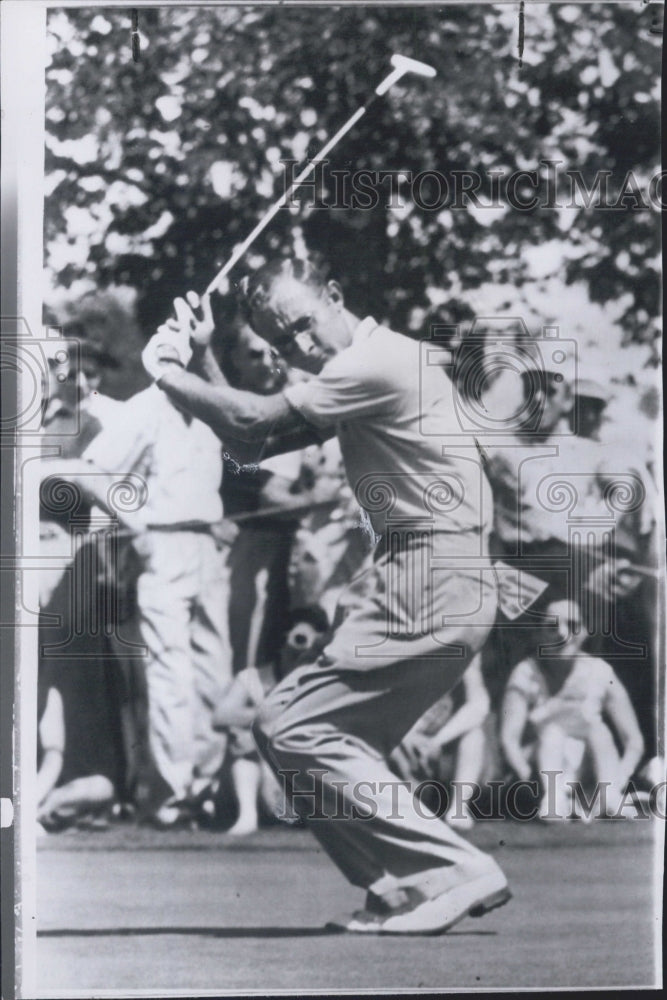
<point>407,65</point>
<point>403,65</point>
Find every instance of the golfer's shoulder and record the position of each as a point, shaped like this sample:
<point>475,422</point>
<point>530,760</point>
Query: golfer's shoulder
<point>380,358</point>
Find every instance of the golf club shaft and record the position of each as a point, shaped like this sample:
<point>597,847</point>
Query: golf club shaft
<point>402,65</point>
<point>285,197</point>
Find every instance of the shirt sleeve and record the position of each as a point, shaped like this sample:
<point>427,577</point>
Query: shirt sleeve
<point>347,388</point>
<point>122,448</point>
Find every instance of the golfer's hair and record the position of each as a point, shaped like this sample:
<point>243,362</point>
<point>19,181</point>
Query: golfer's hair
<point>255,288</point>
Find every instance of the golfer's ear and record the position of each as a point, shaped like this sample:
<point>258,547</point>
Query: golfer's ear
<point>335,293</point>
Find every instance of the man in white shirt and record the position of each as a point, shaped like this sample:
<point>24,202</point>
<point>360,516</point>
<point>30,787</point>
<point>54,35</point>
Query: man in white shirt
<point>182,592</point>
<point>408,625</point>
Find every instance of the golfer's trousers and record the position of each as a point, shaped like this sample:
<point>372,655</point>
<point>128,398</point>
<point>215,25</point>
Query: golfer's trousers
<point>408,627</point>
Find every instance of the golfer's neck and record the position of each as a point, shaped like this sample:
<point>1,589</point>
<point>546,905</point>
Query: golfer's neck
<point>352,323</point>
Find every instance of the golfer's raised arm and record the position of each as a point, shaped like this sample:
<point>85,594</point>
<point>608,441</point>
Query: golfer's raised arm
<point>196,316</point>
<point>204,363</point>
<point>229,412</point>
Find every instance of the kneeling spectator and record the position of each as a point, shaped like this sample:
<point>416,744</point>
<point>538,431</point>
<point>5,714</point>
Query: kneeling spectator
<point>555,717</point>
<point>252,779</point>
<point>448,743</point>
<point>79,754</point>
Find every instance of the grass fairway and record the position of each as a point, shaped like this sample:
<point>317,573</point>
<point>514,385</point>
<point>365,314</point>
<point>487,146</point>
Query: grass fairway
<point>129,909</point>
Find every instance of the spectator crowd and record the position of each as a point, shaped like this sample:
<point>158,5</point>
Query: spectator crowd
<point>183,578</point>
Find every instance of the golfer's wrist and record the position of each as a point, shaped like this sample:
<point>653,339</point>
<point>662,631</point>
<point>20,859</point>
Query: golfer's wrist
<point>168,367</point>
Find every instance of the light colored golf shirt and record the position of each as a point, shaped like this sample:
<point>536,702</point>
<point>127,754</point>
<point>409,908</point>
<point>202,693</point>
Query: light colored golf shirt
<point>388,410</point>
<point>179,458</point>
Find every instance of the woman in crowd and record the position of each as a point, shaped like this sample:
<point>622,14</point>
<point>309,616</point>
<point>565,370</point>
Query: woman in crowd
<point>564,713</point>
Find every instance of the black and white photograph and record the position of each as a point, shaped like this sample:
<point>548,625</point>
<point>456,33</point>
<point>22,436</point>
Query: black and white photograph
<point>334,565</point>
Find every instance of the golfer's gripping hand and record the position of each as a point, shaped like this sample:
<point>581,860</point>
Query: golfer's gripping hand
<point>195,318</point>
<point>175,340</point>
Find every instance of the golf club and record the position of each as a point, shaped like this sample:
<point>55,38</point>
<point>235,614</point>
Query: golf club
<point>401,66</point>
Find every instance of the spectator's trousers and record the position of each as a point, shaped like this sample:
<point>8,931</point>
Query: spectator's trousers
<point>259,598</point>
<point>410,625</point>
<point>183,595</point>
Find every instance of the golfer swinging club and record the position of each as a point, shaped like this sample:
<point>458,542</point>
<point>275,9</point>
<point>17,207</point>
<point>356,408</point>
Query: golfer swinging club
<point>409,625</point>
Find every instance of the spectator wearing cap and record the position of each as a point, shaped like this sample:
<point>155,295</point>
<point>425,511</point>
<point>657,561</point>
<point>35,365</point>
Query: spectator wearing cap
<point>538,459</point>
<point>541,475</point>
<point>588,414</point>
<point>554,524</point>
<point>625,589</point>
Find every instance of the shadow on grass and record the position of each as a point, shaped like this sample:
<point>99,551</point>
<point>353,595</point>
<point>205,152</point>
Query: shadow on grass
<point>215,932</point>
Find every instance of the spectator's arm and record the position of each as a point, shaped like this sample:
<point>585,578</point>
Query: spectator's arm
<point>514,716</point>
<point>51,731</point>
<point>619,709</point>
<point>95,486</point>
<point>472,712</point>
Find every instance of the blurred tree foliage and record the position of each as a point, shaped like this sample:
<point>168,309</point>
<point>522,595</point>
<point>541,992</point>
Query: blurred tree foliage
<point>157,168</point>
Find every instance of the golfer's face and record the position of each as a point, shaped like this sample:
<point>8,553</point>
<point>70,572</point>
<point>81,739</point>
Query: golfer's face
<point>304,324</point>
